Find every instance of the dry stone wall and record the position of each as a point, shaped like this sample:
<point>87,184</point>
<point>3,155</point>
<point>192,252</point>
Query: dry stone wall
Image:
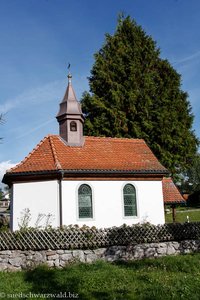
<point>11,260</point>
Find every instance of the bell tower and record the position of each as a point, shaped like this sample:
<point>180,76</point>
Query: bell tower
<point>70,117</point>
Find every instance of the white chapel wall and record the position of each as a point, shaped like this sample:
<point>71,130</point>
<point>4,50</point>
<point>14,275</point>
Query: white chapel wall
<point>39,198</point>
<point>108,203</point>
<point>43,198</point>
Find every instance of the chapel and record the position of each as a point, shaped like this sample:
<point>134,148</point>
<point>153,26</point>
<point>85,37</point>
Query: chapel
<point>71,179</point>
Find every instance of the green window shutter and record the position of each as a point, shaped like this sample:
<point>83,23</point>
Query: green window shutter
<point>130,203</point>
<point>85,201</point>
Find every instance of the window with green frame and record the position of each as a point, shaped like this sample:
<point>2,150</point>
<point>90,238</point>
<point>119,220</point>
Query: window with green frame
<point>130,201</point>
<point>85,202</point>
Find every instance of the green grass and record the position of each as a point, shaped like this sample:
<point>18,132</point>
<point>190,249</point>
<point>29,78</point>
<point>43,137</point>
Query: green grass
<point>182,213</point>
<point>164,278</point>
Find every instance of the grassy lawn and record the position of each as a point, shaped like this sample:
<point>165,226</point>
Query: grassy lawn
<point>182,213</point>
<point>163,278</point>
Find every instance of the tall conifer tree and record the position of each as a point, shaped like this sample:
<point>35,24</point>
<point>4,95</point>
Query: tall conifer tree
<point>136,94</point>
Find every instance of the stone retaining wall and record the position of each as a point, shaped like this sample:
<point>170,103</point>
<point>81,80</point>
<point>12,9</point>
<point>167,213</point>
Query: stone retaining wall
<point>17,259</point>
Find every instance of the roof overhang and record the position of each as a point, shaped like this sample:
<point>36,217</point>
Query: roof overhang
<point>9,178</point>
<point>175,202</point>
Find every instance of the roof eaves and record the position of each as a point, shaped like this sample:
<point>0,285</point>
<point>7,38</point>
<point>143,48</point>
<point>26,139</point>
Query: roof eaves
<point>114,171</point>
<point>9,177</point>
<point>175,202</point>
<point>86,171</point>
<point>14,175</point>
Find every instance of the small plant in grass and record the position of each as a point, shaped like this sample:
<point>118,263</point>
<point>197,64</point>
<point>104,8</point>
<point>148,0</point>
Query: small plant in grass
<point>39,220</point>
<point>24,219</point>
<point>43,221</point>
<point>4,222</point>
<point>48,221</point>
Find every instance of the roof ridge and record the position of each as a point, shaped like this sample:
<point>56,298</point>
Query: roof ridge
<point>105,137</point>
<point>30,153</point>
<point>114,138</point>
<point>57,163</point>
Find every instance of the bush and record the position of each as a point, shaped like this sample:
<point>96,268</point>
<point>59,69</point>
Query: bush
<point>194,199</point>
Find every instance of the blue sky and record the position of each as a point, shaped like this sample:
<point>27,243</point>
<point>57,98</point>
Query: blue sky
<point>39,38</point>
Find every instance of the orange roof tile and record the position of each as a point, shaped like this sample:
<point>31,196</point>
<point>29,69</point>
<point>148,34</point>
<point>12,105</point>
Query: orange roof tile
<point>97,153</point>
<point>171,193</point>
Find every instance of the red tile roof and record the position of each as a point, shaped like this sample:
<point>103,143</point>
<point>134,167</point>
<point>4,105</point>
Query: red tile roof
<point>98,153</point>
<point>171,193</point>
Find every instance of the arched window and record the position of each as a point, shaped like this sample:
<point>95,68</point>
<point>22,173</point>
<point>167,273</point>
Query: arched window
<point>73,126</point>
<point>85,201</point>
<point>130,203</point>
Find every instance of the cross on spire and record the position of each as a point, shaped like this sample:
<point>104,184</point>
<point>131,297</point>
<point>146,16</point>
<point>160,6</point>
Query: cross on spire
<point>69,74</point>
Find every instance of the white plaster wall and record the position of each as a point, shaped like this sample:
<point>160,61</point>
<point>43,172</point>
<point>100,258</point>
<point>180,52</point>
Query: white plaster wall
<point>40,198</point>
<point>108,203</point>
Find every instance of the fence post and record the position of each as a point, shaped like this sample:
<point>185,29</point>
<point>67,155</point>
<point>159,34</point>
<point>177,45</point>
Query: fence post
<point>173,213</point>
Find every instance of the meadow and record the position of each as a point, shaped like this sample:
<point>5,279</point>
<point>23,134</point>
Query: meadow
<point>172,277</point>
<point>184,214</point>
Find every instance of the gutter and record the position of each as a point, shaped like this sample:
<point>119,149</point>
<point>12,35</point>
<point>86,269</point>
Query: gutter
<point>175,202</point>
<point>9,178</point>
<point>86,171</point>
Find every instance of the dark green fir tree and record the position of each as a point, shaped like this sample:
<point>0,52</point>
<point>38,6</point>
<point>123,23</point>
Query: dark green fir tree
<point>136,94</point>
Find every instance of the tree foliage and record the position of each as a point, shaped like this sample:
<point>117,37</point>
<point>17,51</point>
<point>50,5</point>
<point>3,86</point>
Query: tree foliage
<point>136,94</point>
<point>190,183</point>
<point>1,194</point>
<point>191,178</point>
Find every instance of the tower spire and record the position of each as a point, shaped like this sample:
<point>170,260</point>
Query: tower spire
<point>70,117</point>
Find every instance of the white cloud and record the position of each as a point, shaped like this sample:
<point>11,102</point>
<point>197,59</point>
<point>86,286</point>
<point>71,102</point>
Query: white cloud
<point>5,165</point>
<point>188,58</point>
<point>38,95</point>
<point>28,132</point>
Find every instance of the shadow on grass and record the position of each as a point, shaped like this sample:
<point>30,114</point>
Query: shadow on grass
<point>69,283</point>
<point>54,281</point>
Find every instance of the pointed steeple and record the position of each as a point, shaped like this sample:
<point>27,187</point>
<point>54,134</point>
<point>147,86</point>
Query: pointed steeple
<point>70,117</point>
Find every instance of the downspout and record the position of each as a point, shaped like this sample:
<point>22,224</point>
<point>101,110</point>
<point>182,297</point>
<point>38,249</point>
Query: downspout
<point>60,197</point>
<point>11,207</point>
